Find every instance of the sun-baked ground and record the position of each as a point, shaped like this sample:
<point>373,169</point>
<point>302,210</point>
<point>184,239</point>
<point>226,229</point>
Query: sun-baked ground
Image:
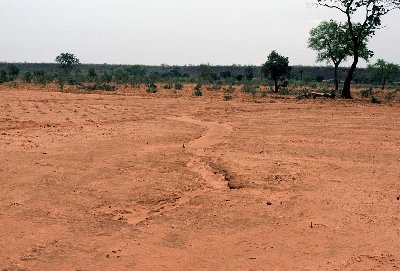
<point>134,181</point>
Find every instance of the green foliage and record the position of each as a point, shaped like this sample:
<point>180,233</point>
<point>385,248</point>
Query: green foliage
<point>384,71</point>
<point>105,77</point>
<point>168,86</point>
<point>178,86</point>
<point>152,88</point>
<point>3,76</point>
<point>250,88</point>
<point>284,91</point>
<point>303,94</point>
<point>67,62</point>
<point>332,42</point>
<point>103,87</point>
<point>228,97</point>
<point>375,100</point>
<point>249,73</point>
<point>197,90</point>
<point>372,12</point>
<point>226,74</point>
<point>13,71</point>
<point>276,67</point>
<point>319,78</point>
<point>366,93</point>
<point>40,77</point>
<point>215,86</point>
<point>120,76</point>
<point>92,74</point>
<point>137,70</point>
<point>206,73</point>
<point>27,77</point>
<point>239,77</point>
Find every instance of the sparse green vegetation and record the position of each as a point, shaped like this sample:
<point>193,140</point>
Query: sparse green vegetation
<point>197,90</point>
<point>228,97</point>
<point>102,86</point>
<point>152,88</point>
<point>366,93</point>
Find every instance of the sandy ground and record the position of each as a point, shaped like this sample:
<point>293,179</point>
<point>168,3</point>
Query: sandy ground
<point>173,182</point>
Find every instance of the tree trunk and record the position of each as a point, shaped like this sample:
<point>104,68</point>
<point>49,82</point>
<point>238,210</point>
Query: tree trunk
<point>384,84</point>
<point>276,86</point>
<point>336,77</point>
<point>346,92</point>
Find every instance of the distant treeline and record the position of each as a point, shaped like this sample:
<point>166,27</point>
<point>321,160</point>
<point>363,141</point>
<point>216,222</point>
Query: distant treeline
<point>238,72</point>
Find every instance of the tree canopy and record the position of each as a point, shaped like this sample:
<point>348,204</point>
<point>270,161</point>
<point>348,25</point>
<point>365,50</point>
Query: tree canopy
<point>373,11</point>
<point>276,67</point>
<point>67,61</point>
<point>331,41</point>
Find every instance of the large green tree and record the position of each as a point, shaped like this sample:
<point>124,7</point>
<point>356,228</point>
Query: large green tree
<point>384,71</point>
<point>277,68</point>
<point>373,11</point>
<point>331,41</point>
<point>67,62</point>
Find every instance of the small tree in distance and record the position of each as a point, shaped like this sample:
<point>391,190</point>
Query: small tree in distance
<point>385,71</point>
<point>67,62</point>
<point>276,67</point>
<point>332,42</point>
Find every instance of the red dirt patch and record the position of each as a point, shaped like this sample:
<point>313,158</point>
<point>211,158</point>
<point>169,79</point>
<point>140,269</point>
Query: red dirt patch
<point>133,182</point>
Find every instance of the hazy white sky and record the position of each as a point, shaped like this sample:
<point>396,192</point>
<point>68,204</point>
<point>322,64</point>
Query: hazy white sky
<point>170,31</point>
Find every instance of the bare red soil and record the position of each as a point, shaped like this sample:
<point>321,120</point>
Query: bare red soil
<point>131,181</point>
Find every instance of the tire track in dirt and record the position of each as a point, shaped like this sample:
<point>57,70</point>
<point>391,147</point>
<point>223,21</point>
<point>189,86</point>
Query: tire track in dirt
<point>200,163</point>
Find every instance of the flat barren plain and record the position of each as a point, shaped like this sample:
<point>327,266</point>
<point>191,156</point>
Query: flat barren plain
<point>167,181</point>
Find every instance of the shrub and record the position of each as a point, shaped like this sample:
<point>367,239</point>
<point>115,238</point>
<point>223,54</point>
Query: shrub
<point>216,86</point>
<point>103,86</point>
<point>250,88</point>
<point>197,90</point>
<point>178,86</point>
<point>304,94</point>
<point>284,91</point>
<point>121,75</point>
<point>366,93</point>
<point>228,97</point>
<point>375,100</point>
<point>168,86</point>
<point>27,77</point>
<point>390,96</point>
<point>152,88</point>
<point>40,77</point>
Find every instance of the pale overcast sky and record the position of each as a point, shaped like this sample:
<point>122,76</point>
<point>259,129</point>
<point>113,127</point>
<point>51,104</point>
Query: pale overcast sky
<point>174,32</point>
